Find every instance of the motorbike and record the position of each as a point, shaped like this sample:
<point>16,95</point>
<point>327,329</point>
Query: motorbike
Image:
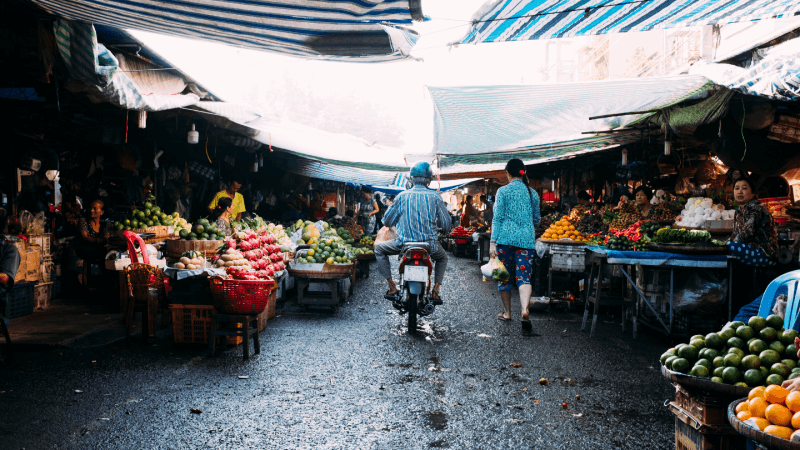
<point>415,283</point>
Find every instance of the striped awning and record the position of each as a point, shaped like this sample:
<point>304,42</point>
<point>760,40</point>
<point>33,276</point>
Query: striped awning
<point>775,74</point>
<point>482,123</point>
<point>330,171</point>
<point>523,20</point>
<point>358,31</point>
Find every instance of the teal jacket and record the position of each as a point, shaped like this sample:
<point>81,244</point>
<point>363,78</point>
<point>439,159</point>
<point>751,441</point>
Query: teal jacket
<point>516,216</point>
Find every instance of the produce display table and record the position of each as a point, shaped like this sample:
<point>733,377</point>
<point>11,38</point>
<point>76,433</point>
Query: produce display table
<point>661,259</point>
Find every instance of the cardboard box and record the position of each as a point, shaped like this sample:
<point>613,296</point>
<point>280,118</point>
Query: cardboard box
<point>32,265</point>
<point>43,293</point>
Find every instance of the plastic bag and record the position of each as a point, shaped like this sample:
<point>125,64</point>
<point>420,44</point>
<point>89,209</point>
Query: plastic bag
<point>385,234</point>
<point>703,292</point>
<point>37,225</point>
<point>25,219</point>
<point>499,271</point>
<point>486,270</point>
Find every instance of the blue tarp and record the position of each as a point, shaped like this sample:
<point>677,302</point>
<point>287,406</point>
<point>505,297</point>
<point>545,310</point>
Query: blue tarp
<point>660,258</point>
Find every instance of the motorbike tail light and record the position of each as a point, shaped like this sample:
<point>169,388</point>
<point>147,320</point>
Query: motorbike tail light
<point>417,255</point>
<point>416,263</point>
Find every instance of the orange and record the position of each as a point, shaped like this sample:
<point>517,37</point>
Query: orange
<point>756,392</point>
<point>781,432</point>
<point>775,394</point>
<point>744,406</point>
<point>778,415</point>
<point>744,415</point>
<point>758,407</point>
<point>793,402</point>
<point>796,420</point>
<point>758,422</point>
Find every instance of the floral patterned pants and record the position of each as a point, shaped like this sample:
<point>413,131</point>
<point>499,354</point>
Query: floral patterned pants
<point>518,264</point>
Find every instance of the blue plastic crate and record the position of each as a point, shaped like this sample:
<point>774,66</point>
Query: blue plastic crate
<point>20,301</point>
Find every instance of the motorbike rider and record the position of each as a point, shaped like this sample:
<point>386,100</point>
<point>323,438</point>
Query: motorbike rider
<point>418,215</point>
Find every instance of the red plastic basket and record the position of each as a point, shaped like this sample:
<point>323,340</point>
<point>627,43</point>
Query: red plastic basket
<point>241,296</point>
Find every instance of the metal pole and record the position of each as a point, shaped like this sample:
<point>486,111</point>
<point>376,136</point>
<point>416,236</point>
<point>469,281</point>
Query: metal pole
<point>671,282</point>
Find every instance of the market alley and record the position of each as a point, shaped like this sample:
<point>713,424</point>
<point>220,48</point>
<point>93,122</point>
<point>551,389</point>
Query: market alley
<point>355,379</point>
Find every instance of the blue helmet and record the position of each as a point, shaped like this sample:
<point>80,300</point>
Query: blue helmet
<point>421,169</point>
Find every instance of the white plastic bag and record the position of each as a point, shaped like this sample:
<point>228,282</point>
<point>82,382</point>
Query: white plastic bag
<point>486,270</point>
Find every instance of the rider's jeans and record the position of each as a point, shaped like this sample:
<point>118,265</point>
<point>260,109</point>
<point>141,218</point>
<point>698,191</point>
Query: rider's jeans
<point>385,249</point>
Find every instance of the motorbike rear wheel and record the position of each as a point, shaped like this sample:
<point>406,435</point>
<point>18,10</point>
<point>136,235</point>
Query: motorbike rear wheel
<point>411,307</point>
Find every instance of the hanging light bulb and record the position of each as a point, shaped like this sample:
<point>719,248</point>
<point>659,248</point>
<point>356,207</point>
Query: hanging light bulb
<point>624,156</point>
<point>667,147</point>
<point>193,137</point>
<point>142,119</point>
<point>260,160</point>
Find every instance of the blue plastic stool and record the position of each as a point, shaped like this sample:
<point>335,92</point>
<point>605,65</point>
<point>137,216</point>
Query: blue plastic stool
<point>791,281</point>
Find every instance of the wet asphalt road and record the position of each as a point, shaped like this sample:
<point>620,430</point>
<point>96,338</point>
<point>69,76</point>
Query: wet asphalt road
<point>355,380</point>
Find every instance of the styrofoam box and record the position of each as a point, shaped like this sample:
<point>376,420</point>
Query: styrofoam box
<point>122,263</point>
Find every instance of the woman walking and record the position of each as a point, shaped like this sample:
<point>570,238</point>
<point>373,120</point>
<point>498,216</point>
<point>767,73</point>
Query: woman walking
<point>516,216</point>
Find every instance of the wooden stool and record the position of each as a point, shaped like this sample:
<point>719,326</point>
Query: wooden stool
<point>245,331</point>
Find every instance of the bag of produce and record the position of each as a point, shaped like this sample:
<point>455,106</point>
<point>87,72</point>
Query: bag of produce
<point>385,234</point>
<point>499,271</point>
<point>486,270</point>
<point>702,293</point>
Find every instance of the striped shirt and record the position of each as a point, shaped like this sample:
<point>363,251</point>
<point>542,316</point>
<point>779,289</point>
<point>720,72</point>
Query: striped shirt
<point>418,214</point>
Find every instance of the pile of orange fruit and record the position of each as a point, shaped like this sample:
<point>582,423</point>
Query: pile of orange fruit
<point>773,409</point>
<point>563,229</point>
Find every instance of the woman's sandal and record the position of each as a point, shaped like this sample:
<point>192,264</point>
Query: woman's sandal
<point>502,317</point>
<point>435,299</point>
<point>392,297</point>
<point>526,322</point>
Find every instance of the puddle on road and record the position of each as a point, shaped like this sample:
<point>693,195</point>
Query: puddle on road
<point>437,420</point>
<point>439,444</point>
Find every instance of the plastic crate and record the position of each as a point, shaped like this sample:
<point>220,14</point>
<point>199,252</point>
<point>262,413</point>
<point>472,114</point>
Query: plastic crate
<point>567,258</point>
<point>191,291</point>
<point>191,324</point>
<point>20,301</point>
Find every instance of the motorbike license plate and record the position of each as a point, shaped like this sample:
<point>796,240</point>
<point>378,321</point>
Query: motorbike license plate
<point>416,273</point>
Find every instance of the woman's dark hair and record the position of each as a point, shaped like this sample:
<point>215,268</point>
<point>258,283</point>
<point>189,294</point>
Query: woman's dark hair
<point>222,205</point>
<point>516,168</point>
<point>583,195</point>
<point>468,199</point>
<point>332,212</point>
<point>377,197</point>
<point>749,183</point>
<point>350,213</point>
<point>88,211</point>
<point>647,192</point>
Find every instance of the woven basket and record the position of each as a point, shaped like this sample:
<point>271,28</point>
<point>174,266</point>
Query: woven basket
<point>687,172</point>
<point>240,296</point>
<point>667,169</point>
<point>706,172</point>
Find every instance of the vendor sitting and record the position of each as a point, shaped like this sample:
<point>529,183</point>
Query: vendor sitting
<point>91,243</point>
<point>755,236</point>
<point>231,192</point>
<point>221,216</point>
<point>642,196</point>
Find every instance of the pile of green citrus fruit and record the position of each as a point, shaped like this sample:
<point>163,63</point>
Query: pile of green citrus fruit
<point>328,251</point>
<point>202,231</point>
<point>148,216</point>
<point>759,353</point>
